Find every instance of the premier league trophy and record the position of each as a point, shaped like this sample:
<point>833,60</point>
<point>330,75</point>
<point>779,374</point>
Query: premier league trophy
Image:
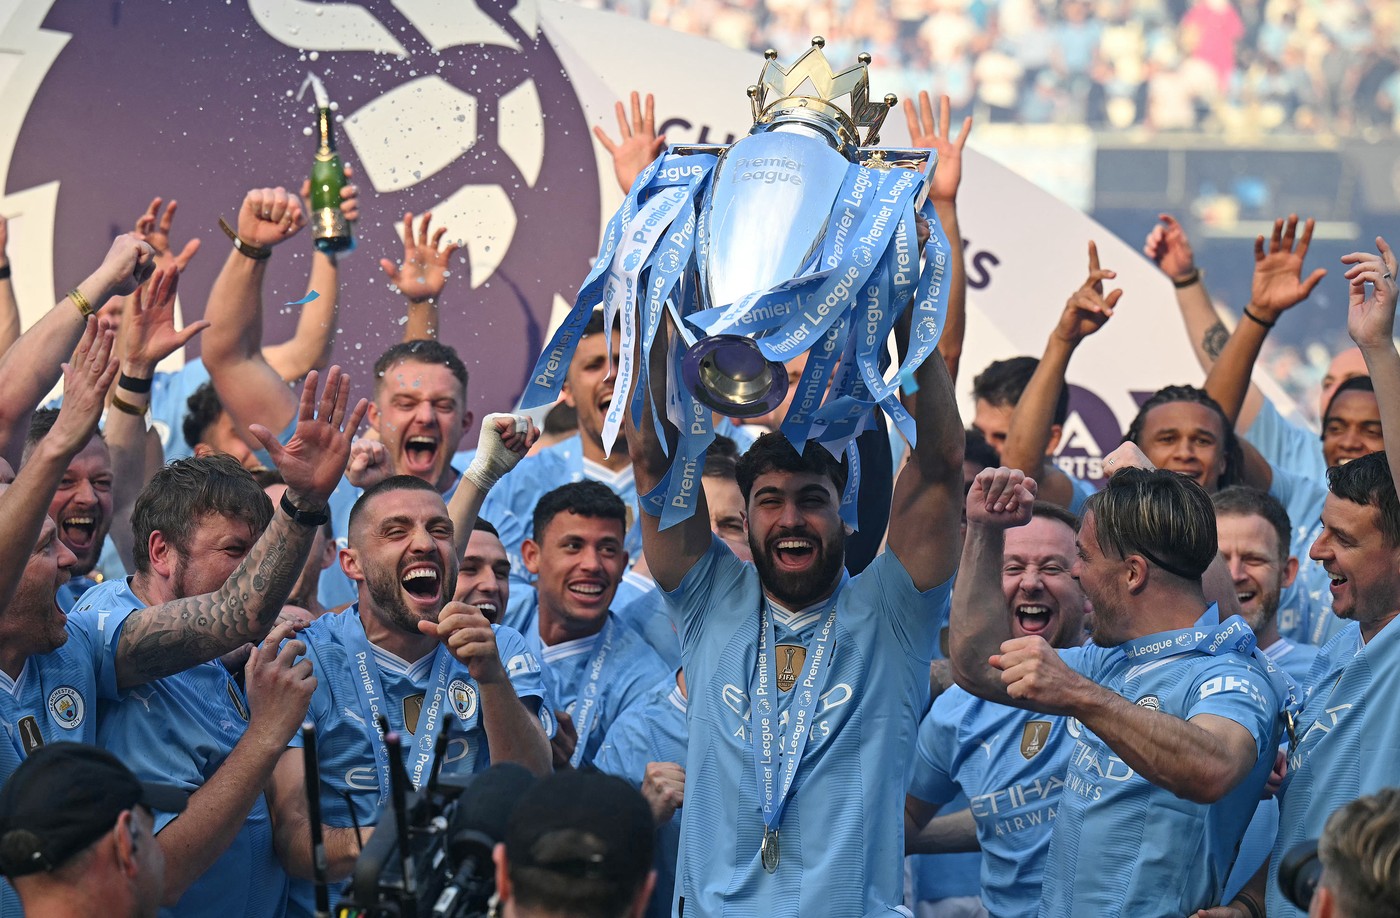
<point>800,238</point>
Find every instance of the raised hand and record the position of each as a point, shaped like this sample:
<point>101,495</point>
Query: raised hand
<point>1278,273</point>
<point>1088,308</point>
<point>349,196</point>
<point>1371,319</point>
<point>468,634</point>
<point>1032,671</point>
<point>637,144</point>
<point>126,266</point>
<point>1127,455</point>
<point>314,458</point>
<point>150,322</point>
<point>154,227</point>
<point>279,687</point>
<point>269,216</point>
<point>424,271</point>
<point>1168,246</point>
<point>505,439</point>
<point>86,378</point>
<point>369,463</point>
<point>1000,497</point>
<point>926,133</point>
<point>664,789</point>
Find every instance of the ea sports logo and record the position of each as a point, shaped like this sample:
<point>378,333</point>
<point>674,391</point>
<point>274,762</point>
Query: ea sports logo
<point>459,107</point>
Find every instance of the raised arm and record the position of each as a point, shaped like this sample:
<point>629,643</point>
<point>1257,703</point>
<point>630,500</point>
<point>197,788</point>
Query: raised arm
<point>1371,324</point>
<point>25,501</point>
<point>670,553</point>
<point>504,440</point>
<point>150,336</point>
<point>174,636</point>
<point>943,192</point>
<point>249,388</point>
<point>9,308</point>
<point>636,145</point>
<point>1277,286</point>
<point>978,625</point>
<point>29,369</point>
<point>310,346</point>
<point>279,689</point>
<point>1028,438</point>
<point>422,276</point>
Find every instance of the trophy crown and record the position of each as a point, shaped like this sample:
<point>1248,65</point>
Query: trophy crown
<point>811,84</point>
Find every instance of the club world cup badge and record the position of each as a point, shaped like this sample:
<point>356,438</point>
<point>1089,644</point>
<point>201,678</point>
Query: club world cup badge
<point>29,735</point>
<point>1034,737</point>
<point>463,698</point>
<point>66,707</point>
<point>412,709</point>
<point>237,701</point>
<point>790,660</point>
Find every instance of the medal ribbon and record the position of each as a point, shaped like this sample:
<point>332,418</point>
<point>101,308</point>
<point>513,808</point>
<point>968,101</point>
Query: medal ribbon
<point>585,719</point>
<point>372,702</point>
<point>768,747</point>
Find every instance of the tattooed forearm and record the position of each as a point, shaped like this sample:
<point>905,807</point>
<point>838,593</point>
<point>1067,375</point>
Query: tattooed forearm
<point>1213,341</point>
<point>176,635</point>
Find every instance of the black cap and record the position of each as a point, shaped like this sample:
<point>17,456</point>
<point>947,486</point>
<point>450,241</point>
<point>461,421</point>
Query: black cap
<point>585,825</point>
<point>62,798</point>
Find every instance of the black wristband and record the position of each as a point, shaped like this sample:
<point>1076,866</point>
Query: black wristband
<point>132,384</point>
<point>1250,905</point>
<point>5,273</point>
<point>305,517</point>
<point>1192,278</point>
<point>1251,316</point>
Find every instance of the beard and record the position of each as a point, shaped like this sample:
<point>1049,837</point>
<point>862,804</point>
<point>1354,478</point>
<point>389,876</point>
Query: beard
<point>798,589</point>
<point>386,594</point>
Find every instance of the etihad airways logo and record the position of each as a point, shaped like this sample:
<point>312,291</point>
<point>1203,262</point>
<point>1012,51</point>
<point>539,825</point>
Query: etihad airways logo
<point>736,700</point>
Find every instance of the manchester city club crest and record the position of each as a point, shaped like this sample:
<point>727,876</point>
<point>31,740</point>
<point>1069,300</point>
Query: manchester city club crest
<point>790,660</point>
<point>66,707</point>
<point>412,710</point>
<point>463,698</point>
<point>1151,702</point>
<point>1034,737</point>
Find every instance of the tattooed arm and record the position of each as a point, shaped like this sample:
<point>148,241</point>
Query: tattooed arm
<point>174,636</point>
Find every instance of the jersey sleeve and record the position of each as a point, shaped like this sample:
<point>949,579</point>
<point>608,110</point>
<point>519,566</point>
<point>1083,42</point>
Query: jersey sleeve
<point>97,633</point>
<point>625,747</point>
<point>932,781</point>
<point>885,589</point>
<point>525,675</point>
<point>1241,693</point>
<point>711,595</point>
<point>1285,445</point>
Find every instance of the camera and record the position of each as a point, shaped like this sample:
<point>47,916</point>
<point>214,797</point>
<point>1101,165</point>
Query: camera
<point>1298,874</point>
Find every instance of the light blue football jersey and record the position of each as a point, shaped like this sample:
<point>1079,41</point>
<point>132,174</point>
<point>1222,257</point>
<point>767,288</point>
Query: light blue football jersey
<point>170,396</point>
<point>1105,806</point>
<point>1287,446</point>
<point>1294,659</point>
<point>618,677</point>
<point>646,614</point>
<point>511,504</point>
<point>842,831</point>
<point>54,700</point>
<point>349,769</point>
<point>652,730</point>
<point>1010,763</point>
<point>179,730</point>
<point>1348,741</point>
<point>1305,607</point>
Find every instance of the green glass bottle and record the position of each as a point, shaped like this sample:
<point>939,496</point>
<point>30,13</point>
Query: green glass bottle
<point>332,230</point>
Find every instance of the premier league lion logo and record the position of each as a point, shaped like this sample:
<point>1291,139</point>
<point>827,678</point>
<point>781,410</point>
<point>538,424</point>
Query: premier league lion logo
<point>458,107</point>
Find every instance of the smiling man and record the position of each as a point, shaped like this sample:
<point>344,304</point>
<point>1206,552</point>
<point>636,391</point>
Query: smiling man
<point>595,666</point>
<point>1009,762</point>
<point>405,652</point>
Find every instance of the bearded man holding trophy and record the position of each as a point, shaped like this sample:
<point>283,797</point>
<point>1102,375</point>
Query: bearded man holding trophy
<point>805,684</point>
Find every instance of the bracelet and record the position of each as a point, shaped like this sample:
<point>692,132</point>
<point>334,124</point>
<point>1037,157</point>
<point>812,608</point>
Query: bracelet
<point>1193,278</point>
<point>122,404</point>
<point>1252,317</point>
<point>5,273</point>
<point>1249,904</point>
<point>305,517</point>
<point>134,384</point>
<point>80,301</point>
<point>255,252</point>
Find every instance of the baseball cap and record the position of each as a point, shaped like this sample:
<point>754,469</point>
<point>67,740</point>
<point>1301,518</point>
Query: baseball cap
<point>584,825</point>
<point>62,798</point>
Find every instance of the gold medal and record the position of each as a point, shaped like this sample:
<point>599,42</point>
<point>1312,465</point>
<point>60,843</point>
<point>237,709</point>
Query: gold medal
<point>769,851</point>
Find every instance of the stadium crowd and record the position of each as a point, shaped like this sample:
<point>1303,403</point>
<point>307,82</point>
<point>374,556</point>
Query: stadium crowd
<point>1136,701</point>
<point>1288,66</point>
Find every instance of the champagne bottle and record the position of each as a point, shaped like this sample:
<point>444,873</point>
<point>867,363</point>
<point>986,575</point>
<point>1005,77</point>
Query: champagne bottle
<point>332,230</point>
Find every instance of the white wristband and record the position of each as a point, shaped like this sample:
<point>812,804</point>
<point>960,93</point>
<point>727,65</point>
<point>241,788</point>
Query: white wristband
<point>493,458</point>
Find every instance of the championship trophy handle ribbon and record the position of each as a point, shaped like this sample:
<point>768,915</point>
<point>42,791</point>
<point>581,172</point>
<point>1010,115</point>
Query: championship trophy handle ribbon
<point>799,238</point>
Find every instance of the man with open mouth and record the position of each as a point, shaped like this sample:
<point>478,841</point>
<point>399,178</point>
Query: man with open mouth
<point>1008,761</point>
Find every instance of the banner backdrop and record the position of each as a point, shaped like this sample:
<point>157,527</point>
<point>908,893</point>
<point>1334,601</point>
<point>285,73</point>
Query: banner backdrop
<point>480,112</point>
